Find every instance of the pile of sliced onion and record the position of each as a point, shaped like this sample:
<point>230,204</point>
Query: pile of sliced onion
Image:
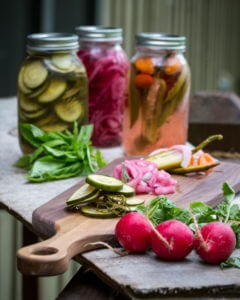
<point>107,70</point>
<point>145,177</point>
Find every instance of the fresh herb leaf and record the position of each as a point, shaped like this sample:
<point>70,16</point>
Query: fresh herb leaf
<point>223,209</point>
<point>232,262</point>
<point>203,212</point>
<point>59,155</point>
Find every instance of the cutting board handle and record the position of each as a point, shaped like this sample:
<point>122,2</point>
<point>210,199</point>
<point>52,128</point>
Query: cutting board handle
<point>52,256</point>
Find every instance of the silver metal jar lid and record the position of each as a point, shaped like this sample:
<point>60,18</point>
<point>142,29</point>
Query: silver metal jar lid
<point>162,41</point>
<point>52,42</point>
<point>99,33</point>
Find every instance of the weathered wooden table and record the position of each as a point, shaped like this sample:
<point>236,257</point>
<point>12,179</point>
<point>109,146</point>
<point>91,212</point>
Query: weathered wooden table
<point>137,276</point>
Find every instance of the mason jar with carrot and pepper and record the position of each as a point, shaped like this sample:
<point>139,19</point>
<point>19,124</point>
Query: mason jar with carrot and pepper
<point>156,113</point>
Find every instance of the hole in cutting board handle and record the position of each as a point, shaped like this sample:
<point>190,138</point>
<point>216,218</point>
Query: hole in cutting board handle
<point>44,251</point>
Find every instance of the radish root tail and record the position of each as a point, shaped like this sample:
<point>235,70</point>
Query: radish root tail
<point>198,232</point>
<point>119,252</point>
<point>165,241</point>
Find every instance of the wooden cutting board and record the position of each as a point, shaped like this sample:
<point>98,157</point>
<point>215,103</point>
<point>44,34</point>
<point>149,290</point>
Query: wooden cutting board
<point>70,232</point>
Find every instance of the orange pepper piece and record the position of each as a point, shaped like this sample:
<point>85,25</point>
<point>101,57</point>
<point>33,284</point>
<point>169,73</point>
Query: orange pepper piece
<point>206,159</point>
<point>145,65</point>
<point>172,66</point>
<point>192,160</point>
<point>143,80</point>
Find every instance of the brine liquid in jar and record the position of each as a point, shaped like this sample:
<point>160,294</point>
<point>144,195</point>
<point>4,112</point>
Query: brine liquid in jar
<point>52,86</point>
<point>156,113</point>
<point>107,68</point>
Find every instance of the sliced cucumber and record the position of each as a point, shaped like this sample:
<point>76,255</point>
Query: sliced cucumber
<point>34,74</point>
<point>39,90</point>
<point>48,63</point>
<point>27,104</point>
<point>21,84</point>
<point>55,89</point>
<point>105,183</point>
<point>82,193</point>
<point>62,61</point>
<point>134,201</point>
<point>127,190</point>
<point>35,114</point>
<point>53,127</point>
<point>69,111</point>
<point>93,212</point>
<point>73,91</point>
<point>77,203</point>
<point>50,118</point>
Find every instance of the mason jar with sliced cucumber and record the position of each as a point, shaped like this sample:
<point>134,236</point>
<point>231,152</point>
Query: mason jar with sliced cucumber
<point>52,84</point>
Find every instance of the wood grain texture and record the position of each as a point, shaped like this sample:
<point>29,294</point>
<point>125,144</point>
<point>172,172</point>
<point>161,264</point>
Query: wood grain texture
<point>70,232</point>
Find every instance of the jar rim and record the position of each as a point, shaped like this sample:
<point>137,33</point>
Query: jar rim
<point>99,33</point>
<point>53,41</point>
<point>161,41</point>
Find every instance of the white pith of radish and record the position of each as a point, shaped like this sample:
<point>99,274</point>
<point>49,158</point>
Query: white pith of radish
<point>133,232</point>
<point>172,240</point>
<point>215,242</point>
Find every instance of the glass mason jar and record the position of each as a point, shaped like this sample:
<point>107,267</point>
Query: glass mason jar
<point>107,67</point>
<point>156,113</point>
<point>52,84</point>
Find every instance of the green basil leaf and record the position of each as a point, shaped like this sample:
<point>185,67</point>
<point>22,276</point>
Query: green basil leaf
<point>232,262</point>
<point>99,159</point>
<point>85,134</point>
<point>31,133</point>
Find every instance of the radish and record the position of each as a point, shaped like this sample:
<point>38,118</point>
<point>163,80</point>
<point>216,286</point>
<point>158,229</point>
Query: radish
<point>215,242</point>
<point>133,232</point>
<point>172,240</point>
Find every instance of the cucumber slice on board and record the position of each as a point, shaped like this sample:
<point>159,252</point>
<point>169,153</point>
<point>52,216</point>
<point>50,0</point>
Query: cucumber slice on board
<point>27,104</point>
<point>35,93</point>
<point>21,84</point>
<point>55,89</point>
<point>53,127</point>
<point>69,111</point>
<point>62,61</point>
<point>35,114</point>
<point>78,203</point>
<point>134,201</point>
<point>82,193</point>
<point>34,74</point>
<point>105,183</point>
<point>127,190</point>
<point>92,211</point>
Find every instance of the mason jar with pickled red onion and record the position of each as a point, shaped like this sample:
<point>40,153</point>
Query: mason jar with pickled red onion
<point>107,68</point>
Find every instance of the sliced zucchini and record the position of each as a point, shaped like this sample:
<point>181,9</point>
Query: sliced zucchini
<point>92,211</point>
<point>82,193</point>
<point>53,127</point>
<point>62,61</point>
<point>21,84</point>
<point>35,114</point>
<point>134,201</point>
<point>78,203</point>
<point>127,190</point>
<point>27,104</point>
<point>105,183</point>
<point>39,90</point>
<point>55,89</point>
<point>73,91</point>
<point>69,111</point>
<point>34,74</point>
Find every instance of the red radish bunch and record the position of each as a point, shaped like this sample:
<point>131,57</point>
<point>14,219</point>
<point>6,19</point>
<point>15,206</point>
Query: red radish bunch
<point>215,242</point>
<point>133,232</point>
<point>172,240</point>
